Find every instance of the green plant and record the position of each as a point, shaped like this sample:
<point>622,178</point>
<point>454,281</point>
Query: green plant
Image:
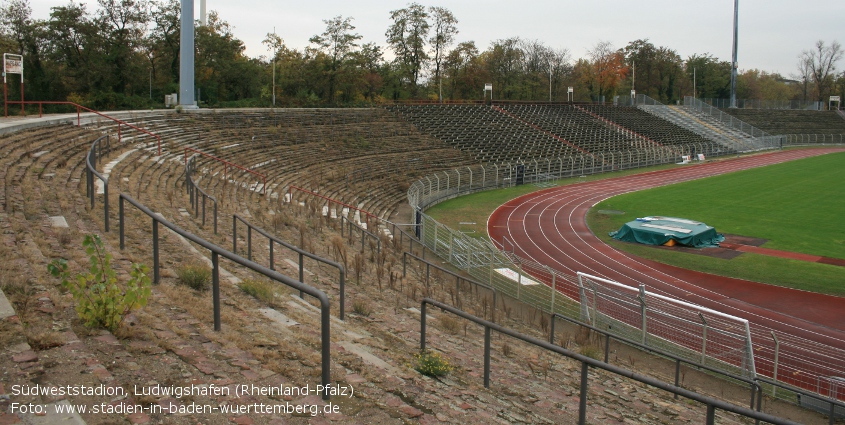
<point>100,300</point>
<point>194,276</point>
<point>259,289</point>
<point>431,364</point>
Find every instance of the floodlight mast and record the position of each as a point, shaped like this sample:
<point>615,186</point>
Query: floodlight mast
<point>186,56</point>
<point>734,64</point>
<point>203,19</point>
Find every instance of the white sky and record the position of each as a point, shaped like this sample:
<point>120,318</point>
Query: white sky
<point>772,33</point>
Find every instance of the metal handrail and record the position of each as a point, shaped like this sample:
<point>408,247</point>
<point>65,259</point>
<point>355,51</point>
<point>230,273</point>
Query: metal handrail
<point>587,362</point>
<point>364,232</point>
<point>95,154</point>
<point>193,189</point>
<point>756,389</point>
<point>302,254</point>
<point>458,279</point>
<point>79,118</point>
<point>227,164</point>
<point>216,251</point>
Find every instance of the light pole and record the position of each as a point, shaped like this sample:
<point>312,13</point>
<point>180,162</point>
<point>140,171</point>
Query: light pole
<point>151,83</point>
<point>734,65</point>
<point>274,69</point>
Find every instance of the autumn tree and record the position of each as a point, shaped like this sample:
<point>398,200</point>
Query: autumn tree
<point>821,61</point>
<point>608,69</point>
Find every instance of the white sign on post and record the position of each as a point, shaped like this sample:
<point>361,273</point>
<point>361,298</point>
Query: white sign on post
<point>12,64</point>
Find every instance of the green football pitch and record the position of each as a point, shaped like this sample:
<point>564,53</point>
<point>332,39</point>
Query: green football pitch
<point>797,206</point>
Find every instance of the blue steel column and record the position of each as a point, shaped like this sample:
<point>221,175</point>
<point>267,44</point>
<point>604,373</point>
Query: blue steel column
<point>186,56</point>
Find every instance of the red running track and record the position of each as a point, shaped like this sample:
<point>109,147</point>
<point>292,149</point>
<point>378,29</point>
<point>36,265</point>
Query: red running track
<point>549,227</point>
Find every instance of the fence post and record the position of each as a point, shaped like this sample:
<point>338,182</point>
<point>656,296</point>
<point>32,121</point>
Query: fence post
<point>641,297</point>
<point>215,286</point>
<point>775,369</point>
<point>703,339</point>
<point>554,288</point>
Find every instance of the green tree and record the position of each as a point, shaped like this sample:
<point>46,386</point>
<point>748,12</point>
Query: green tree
<point>407,38</point>
<point>464,71</point>
<point>445,28</point>
<point>338,43</point>
<point>712,77</point>
<point>124,24</point>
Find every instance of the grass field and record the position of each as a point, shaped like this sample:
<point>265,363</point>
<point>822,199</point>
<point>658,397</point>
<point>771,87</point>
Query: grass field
<point>797,206</point>
<point>477,207</point>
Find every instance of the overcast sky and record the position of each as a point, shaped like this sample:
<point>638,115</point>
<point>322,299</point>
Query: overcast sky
<point>772,33</point>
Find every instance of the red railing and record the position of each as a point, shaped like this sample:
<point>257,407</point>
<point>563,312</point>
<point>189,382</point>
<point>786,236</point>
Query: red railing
<point>79,108</point>
<point>333,201</point>
<point>227,164</point>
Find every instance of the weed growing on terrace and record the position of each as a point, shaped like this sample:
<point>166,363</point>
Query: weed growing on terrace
<point>100,301</point>
<point>432,364</point>
<point>194,276</point>
<point>259,289</point>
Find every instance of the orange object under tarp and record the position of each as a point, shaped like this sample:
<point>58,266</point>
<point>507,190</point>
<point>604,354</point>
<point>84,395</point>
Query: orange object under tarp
<point>671,242</point>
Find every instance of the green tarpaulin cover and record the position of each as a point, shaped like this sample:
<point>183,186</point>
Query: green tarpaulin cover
<point>659,230</point>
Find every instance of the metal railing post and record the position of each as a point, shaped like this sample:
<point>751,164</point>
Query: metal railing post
<point>234,235</point>
<point>582,403</point>
<point>106,203</point>
<point>422,326</point>
<point>677,374</point>
<point>301,271</point>
<point>249,247</point>
<point>215,286</point>
<point>156,274</point>
<point>487,357</point>
<point>711,415</point>
<point>120,216</point>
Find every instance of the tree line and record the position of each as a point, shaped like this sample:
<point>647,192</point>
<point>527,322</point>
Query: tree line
<point>125,54</point>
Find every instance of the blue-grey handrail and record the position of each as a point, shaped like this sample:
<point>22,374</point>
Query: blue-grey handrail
<point>194,191</point>
<point>216,251</point>
<point>458,279</point>
<point>587,362</point>
<point>273,239</point>
<point>364,232</point>
<point>95,154</point>
<point>756,389</point>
